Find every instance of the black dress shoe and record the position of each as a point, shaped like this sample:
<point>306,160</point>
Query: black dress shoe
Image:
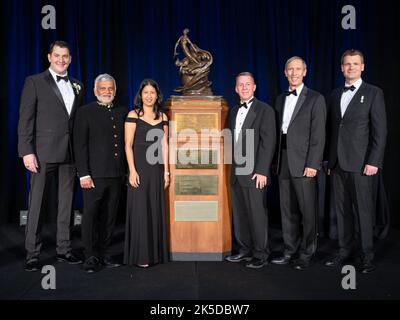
<point>32,265</point>
<point>257,263</point>
<point>336,261</point>
<point>301,264</point>
<point>285,259</point>
<point>239,257</point>
<point>69,258</point>
<point>91,265</point>
<point>367,267</point>
<point>109,262</point>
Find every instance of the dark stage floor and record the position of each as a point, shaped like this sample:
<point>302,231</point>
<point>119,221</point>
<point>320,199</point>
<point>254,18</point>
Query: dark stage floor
<point>193,280</point>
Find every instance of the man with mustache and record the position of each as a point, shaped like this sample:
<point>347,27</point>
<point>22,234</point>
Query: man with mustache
<point>100,160</point>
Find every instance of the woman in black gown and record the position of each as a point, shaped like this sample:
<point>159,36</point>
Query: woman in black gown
<point>146,148</point>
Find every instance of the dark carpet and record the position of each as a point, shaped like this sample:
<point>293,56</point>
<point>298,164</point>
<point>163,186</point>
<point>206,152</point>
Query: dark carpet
<point>192,280</point>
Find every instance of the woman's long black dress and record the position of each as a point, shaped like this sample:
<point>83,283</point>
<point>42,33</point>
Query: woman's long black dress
<point>145,230</point>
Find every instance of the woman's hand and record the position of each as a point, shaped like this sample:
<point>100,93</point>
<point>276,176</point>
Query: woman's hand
<point>166,180</point>
<point>134,179</point>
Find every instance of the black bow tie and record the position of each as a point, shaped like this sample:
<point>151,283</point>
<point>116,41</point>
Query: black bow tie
<point>294,92</point>
<point>244,104</point>
<point>65,78</point>
<point>352,88</point>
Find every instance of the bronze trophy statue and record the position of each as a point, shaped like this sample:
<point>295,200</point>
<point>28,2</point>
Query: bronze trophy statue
<point>193,68</point>
<point>199,192</point>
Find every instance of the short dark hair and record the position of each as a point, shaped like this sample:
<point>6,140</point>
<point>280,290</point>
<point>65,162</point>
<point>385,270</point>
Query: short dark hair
<point>138,103</point>
<point>61,44</point>
<point>352,52</point>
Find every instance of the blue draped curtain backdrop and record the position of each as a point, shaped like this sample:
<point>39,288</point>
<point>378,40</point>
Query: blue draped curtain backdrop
<point>133,40</point>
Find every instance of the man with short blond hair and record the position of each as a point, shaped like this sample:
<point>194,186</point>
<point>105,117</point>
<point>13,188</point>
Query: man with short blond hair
<point>252,124</point>
<point>356,151</point>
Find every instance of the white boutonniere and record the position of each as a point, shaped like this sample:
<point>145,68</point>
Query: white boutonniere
<point>362,99</point>
<point>76,87</point>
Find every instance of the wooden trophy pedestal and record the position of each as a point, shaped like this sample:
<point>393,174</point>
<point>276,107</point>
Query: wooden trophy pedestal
<point>198,197</point>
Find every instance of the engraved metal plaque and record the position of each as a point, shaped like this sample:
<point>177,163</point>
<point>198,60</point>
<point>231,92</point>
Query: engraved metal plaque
<point>196,185</point>
<point>196,210</point>
<point>196,121</point>
<point>196,159</point>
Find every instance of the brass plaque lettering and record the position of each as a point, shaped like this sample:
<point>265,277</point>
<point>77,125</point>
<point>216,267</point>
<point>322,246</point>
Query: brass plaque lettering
<point>196,159</point>
<point>196,121</point>
<point>196,185</point>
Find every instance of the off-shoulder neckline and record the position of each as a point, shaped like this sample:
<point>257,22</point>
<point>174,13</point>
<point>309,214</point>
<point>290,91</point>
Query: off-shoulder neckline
<point>153,125</point>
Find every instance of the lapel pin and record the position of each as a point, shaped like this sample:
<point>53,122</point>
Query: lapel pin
<point>362,99</point>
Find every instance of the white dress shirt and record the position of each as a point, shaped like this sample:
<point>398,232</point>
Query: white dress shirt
<point>66,90</point>
<point>348,95</point>
<point>290,104</point>
<point>241,116</point>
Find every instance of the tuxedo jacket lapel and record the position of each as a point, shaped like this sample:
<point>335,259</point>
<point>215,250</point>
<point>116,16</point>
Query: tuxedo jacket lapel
<point>56,91</point>
<point>232,123</point>
<point>299,103</point>
<point>354,101</point>
<point>250,117</point>
<point>76,96</point>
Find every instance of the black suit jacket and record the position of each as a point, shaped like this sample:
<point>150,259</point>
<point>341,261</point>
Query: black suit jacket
<point>305,137</point>
<point>261,119</point>
<point>45,128</point>
<point>359,137</point>
<point>99,141</point>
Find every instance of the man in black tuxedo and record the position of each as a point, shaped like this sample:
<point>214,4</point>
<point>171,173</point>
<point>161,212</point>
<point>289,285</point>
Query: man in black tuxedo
<point>100,160</point>
<point>252,124</point>
<point>48,104</point>
<point>357,144</point>
<point>301,116</point>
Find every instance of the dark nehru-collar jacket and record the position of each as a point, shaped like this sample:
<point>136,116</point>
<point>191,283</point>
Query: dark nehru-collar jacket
<point>99,141</point>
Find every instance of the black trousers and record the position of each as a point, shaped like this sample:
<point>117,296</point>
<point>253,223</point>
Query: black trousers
<point>298,202</point>
<point>100,206</point>
<point>354,197</point>
<point>66,178</point>
<point>250,220</point>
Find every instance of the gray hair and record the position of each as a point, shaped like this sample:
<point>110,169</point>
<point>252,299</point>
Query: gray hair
<point>105,77</point>
<point>295,58</point>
